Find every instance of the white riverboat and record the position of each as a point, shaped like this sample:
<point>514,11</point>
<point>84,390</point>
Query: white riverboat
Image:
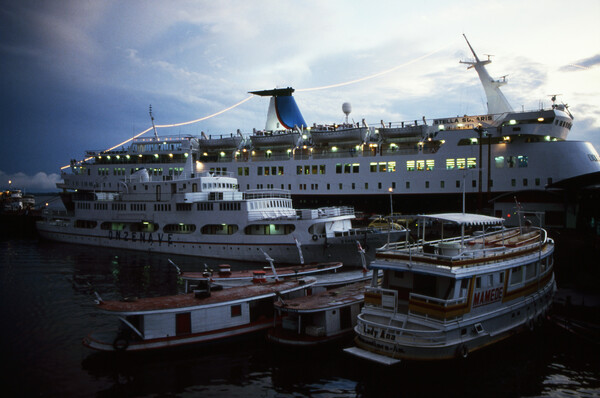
<point>320,318</point>
<point>447,297</point>
<point>206,215</point>
<point>200,317</point>
<point>229,278</point>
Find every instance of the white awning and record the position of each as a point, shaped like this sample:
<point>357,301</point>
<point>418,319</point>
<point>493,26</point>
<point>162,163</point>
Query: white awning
<point>464,218</point>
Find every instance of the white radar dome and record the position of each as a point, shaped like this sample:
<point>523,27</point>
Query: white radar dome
<point>346,108</point>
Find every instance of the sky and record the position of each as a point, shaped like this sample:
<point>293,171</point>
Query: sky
<point>79,75</point>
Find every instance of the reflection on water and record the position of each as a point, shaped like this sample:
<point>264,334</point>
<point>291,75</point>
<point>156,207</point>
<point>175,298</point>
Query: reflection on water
<point>47,307</point>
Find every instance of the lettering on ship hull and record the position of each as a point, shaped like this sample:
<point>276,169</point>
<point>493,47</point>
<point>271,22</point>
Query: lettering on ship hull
<point>141,237</point>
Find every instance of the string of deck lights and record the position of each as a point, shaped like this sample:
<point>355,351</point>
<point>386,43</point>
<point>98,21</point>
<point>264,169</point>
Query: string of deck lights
<point>248,98</point>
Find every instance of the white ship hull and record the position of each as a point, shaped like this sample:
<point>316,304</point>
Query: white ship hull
<point>283,250</point>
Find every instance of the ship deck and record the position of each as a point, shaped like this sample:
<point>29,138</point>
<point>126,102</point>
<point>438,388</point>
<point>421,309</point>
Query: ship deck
<point>332,298</point>
<point>166,303</point>
<point>268,272</point>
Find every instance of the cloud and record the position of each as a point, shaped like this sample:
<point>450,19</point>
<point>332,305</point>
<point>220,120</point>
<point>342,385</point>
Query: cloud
<point>39,182</point>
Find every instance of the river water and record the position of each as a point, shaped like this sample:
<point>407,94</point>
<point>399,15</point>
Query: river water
<point>47,307</point>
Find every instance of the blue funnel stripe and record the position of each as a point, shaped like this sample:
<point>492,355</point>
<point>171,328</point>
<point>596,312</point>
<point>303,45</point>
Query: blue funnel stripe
<point>288,113</point>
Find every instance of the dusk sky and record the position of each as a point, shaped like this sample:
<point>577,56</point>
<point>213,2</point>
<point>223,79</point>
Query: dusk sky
<point>80,75</point>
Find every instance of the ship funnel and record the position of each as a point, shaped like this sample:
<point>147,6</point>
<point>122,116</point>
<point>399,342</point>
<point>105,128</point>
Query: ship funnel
<point>283,111</point>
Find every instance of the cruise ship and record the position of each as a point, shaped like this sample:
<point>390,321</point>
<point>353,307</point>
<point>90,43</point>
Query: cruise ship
<point>416,166</point>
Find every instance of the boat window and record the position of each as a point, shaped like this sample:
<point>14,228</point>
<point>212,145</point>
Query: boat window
<point>112,226</point>
<point>516,275</point>
<point>90,224</point>
<point>499,161</point>
<point>450,164</point>
<point>143,227</point>
<point>522,161</point>
<point>269,229</point>
<point>219,229</point>
<point>478,283</point>
<point>180,228</point>
<point>530,271</point>
<point>236,310</point>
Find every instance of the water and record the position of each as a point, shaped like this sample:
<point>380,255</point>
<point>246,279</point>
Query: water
<point>47,307</point>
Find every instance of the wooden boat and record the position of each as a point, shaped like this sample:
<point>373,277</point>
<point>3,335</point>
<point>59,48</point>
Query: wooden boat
<point>445,298</point>
<point>228,278</point>
<point>198,317</point>
<point>319,318</point>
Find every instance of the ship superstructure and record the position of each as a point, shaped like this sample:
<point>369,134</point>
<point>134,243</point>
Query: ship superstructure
<point>423,165</point>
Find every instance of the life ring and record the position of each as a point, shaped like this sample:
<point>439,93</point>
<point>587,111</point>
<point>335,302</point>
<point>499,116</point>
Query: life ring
<point>121,343</point>
<point>462,352</point>
<point>315,237</point>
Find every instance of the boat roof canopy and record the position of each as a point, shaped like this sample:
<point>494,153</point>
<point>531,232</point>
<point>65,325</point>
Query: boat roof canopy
<point>464,218</point>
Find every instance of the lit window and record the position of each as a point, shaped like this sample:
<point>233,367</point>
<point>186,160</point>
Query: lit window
<point>499,161</point>
<point>410,165</point>
<point>450,164</point>
<point>522,161</point>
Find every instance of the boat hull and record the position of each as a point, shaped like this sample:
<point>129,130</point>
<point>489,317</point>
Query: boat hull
<point>290,339</point>
<point>112,342</point>
<point>282,249</point>
<point>523,315</point>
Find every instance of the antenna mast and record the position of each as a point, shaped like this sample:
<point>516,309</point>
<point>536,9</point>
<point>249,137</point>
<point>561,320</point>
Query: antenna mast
<point>153,126</point>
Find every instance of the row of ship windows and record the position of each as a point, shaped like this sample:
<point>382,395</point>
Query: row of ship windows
<point>411,165</point>
<point>205,206</point>
<point>390,167</point>
<point>341,186</point>
<point>121,171</point>
<point>183,228</point>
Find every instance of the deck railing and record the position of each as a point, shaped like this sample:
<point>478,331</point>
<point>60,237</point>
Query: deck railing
<point>440,250</point>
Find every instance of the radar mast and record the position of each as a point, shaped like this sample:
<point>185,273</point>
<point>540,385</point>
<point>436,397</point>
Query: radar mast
<point>496,102</point>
